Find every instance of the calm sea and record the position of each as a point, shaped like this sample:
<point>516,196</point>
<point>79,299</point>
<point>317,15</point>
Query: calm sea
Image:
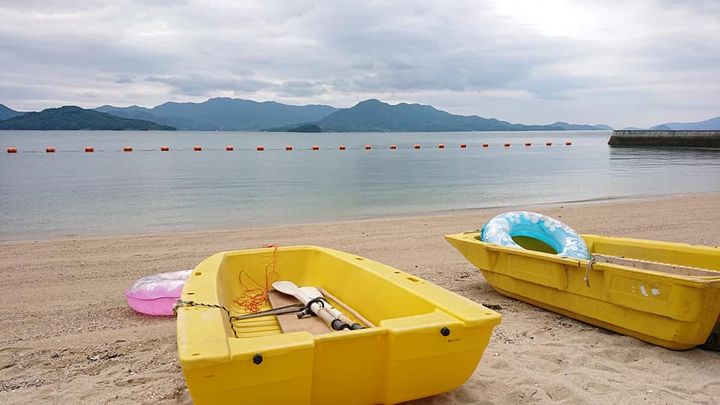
<point>109,191</point>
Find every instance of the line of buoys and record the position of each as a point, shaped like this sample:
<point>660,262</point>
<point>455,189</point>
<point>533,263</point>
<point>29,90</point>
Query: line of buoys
<point>260,148</point>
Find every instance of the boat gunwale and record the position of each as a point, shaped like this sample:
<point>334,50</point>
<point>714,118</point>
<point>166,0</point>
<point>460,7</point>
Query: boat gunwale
<point>695,281</point>
<point>210,267</point>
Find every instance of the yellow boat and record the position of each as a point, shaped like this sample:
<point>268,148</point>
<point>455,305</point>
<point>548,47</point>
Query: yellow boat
<point>664,293</point>
<point>425,340</point>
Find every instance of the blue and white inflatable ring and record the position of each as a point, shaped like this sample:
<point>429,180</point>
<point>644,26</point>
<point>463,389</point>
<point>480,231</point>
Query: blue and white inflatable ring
<point>560,237</point>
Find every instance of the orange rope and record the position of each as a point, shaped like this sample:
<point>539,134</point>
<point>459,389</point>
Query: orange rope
<point>255,294</point>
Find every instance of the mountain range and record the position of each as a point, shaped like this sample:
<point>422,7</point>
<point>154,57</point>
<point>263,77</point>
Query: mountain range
<point>223,114</point>
<point>228,114</point>
<point>376,116</point>
<point>712,123</point>
<point>74,118</point>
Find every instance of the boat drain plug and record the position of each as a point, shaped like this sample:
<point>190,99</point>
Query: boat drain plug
<point>445,331</point>
<point>257,359</point>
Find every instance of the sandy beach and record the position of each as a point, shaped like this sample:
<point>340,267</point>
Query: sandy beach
<point>68,336</point>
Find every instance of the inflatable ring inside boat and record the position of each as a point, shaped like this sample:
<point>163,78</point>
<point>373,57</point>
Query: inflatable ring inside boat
<point>561,238</point>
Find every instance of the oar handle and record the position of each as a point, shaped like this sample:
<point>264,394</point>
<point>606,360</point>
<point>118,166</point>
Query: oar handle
<point>344,319</point>
<point>318,308</point>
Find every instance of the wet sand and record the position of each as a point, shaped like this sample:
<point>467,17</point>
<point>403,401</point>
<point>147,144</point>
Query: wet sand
<point>67,335</point>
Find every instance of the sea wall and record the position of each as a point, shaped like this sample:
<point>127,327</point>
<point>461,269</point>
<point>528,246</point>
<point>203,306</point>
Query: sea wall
<point>701,139</point>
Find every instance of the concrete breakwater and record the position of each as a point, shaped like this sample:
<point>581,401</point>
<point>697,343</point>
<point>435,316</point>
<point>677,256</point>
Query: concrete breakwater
<point>701,139</point>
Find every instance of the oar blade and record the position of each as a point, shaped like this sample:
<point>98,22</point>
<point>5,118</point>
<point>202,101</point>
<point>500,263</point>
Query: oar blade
<point>311,292</point>
<point>286,287</point>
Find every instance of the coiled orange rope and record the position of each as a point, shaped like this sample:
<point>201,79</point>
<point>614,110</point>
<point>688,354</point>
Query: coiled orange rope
<point>255,294</point>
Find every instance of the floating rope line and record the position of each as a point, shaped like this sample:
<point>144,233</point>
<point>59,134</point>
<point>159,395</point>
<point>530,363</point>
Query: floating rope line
<point>255,293</point>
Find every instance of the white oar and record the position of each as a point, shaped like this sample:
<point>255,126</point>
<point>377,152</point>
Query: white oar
<point>313,292</point>
<point>317,306</point>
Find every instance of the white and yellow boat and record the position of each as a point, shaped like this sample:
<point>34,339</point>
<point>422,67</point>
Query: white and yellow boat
<point>424,340</point>
<point>664,293</point>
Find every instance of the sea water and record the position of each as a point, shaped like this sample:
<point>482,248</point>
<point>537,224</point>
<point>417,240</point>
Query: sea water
<point>71,192</point>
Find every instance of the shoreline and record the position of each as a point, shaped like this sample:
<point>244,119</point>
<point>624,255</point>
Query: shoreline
<point>10,239</point>
<point>68,335</point>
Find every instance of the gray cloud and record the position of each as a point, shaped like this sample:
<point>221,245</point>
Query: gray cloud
<point>300,88</point>
<point>199,85</point>
<point>525,61</point>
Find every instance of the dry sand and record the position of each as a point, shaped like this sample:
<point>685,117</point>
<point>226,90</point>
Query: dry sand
<point>67,335</point>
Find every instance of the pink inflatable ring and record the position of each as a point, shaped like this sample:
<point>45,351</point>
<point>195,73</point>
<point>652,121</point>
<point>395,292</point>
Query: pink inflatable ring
<point>156,295</point>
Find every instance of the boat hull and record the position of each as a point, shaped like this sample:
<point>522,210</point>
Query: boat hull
<point>406,356</point>
<point>676,311</point>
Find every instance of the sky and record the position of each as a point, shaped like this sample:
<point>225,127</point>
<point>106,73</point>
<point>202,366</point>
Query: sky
<point>622,63</point>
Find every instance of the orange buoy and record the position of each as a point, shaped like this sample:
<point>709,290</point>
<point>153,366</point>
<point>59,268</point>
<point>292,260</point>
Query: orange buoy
<point>315,147</point>
<point>127,149</point>
<point>463,145</point>
<point>12,149</point>
<point>507,145</point>
<point>50,149</point>
<point>441,146</point>
<point>528,144</point>
<point>416,146</point>
<point>368,147</point>
<point>89,149</point>
<point>229,148</point>
<point>260,148</point>
<point>485,145</point>
<point>548,143</point>
<point>568,143</point>
<point>164,148</point>
<point>341,147</point>
<point>393,147</point>
<point>288,147</point>
<point>197,148</point>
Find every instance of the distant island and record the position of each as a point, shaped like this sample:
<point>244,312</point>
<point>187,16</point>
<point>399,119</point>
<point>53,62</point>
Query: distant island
<point>707,125</point>
<point>76,118</point>
<point>232,114</point>
<point>377,116</point>
<point>6,112</point>
<point>229,114</point>
<point>224,114</point>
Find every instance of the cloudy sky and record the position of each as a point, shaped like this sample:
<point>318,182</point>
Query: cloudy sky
<point>624,63</point>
